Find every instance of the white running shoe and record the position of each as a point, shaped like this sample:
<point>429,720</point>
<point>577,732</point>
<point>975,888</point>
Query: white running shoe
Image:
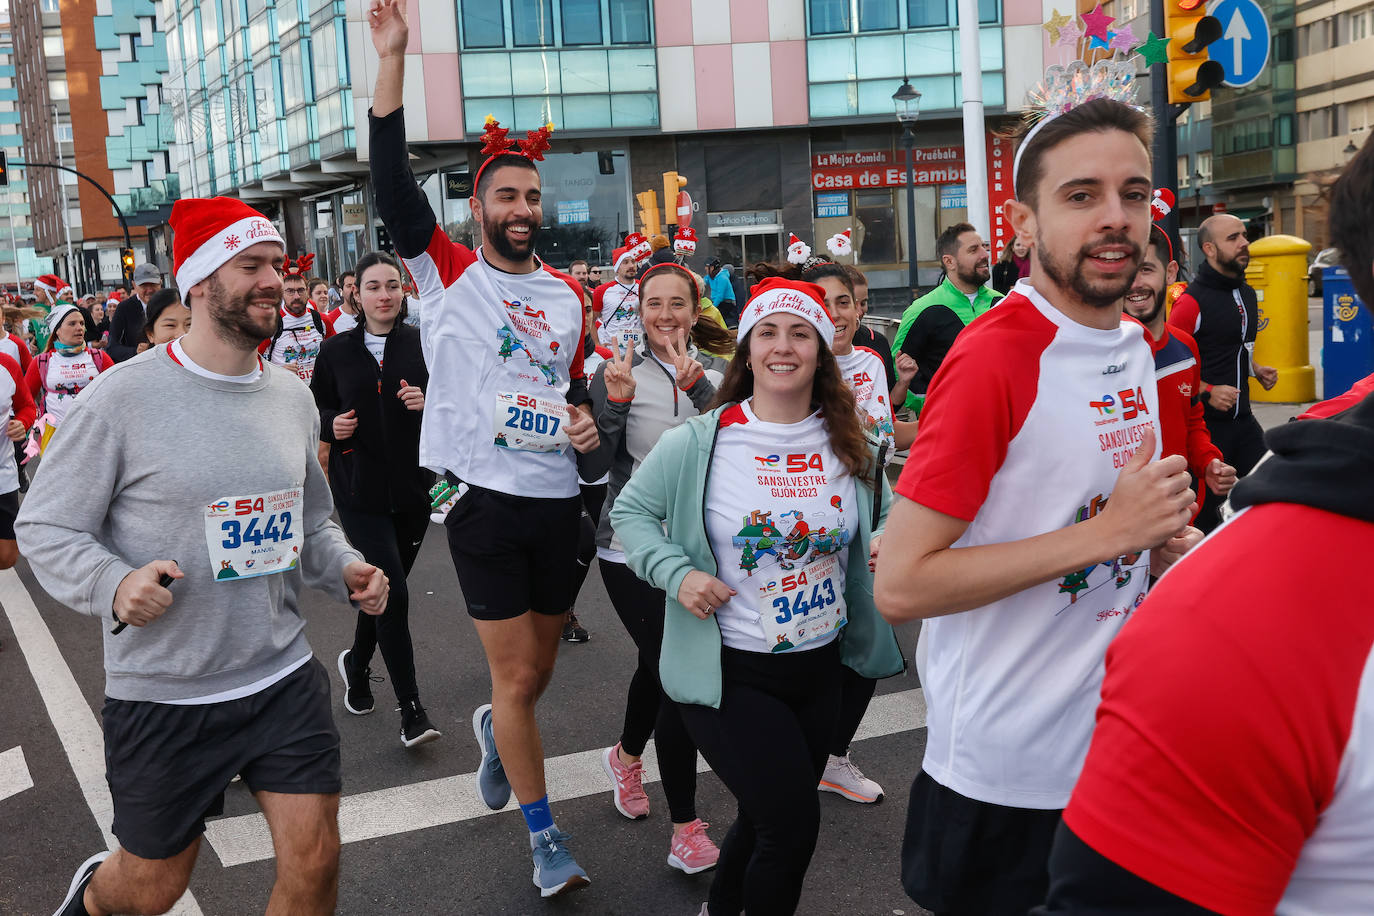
<point>844,778</point>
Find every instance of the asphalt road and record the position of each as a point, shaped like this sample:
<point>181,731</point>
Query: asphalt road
<point>428,853</point>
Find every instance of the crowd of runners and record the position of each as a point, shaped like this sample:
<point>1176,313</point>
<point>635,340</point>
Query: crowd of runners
<point>1097,743</point>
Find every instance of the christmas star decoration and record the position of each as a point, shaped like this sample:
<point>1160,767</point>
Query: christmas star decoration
<point>1056,22</point>
<point>1155,50</point>
<point>1123,39</point>
<point>1102,43</point>
<point>1095,24</point>
<point>1069,35</point>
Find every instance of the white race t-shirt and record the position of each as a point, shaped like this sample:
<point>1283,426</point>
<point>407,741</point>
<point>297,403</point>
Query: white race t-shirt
<point>779,504</point>
<point>863,372</point>
<point>618,309</point>
<point>1025,431</point>
<point>10,344</point>
<point>67,376</point>
<point>375,345</point>
<point>299,344</point>
<point>343,321</point>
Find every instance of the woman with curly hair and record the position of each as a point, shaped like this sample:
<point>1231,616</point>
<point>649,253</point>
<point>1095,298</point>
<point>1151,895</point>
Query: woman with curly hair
<point>756,520</point>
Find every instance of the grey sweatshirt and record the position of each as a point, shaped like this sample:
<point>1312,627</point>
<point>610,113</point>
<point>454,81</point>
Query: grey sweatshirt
<point>143,451</point>
<point>630,429</point>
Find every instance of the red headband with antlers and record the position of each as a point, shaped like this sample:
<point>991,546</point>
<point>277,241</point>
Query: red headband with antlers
<point>299,267</point>
<point>497,142</point>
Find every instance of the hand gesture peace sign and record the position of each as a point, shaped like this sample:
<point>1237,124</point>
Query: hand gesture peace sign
<point>689,371</point>
<point>620,380</point>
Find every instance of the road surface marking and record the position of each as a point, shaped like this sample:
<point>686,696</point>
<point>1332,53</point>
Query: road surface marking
<point>72,719</point>
<point>14,773</point>
<point>433,803</point>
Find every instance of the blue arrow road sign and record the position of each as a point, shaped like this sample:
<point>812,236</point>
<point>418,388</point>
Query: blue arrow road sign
<point>1243,49</point>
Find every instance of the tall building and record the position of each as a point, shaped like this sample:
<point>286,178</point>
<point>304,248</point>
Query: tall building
<point>778,112</point>
<point>89,86</point>
<point>18,262</point>
<point>1335,103</point>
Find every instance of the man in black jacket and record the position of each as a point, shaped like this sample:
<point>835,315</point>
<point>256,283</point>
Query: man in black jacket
<point>1221,311</point>
<point>126,327</point>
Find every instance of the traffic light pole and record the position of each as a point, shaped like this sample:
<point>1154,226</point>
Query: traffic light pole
<point>123,223</point>
<point>1165,153</point>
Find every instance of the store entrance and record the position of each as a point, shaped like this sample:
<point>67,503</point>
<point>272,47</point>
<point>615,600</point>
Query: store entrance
<point>744,249</point>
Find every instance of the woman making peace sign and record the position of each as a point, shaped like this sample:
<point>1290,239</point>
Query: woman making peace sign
<point>637,395</point>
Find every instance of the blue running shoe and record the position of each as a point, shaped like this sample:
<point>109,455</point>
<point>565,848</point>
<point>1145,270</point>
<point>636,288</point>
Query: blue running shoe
<point>555,870</point>
<point>492,783</point>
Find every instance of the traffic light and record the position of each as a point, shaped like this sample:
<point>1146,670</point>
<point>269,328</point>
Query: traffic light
<point>672,184</point>
<point>1192,75</point>
<point>126,261</point>
<point>648,213</point>
<point>4,171</point>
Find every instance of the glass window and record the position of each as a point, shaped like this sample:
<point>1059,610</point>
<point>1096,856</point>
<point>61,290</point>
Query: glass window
<point>834,100</point>
<point>634,110</point>
<point>324,53</point>
<point>630,23</point>
<point>209,23</point>
<point>52,45</point>
<point>292,77</point>
<point>922,14</point>
<point>482,25</point>
<point>875,15</point>
<point>57,89</point>
<point>584,71</point>
<point>486,74</point>
<point>532,112</point>
<point>535,73</point>
<point>880,56</point>
<point>581,22</point>
<point>829,17</point>
<point>586,112</point>
<point>502,109</point>
<point>633,71</point>
<point>930,52</point>
<point>531,22</point>
<point>830,60</point>
<point>874,212</point>
<point>259,37</point>
<point>1285,130</point>
<point>988,10</point>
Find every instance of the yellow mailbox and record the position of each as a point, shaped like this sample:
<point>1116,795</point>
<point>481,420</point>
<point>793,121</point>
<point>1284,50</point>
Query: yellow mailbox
<point>1278,273</point>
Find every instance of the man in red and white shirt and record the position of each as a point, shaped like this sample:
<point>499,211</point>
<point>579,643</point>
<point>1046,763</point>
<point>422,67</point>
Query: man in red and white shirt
<point>616,304</point>
<point>1232,768</point>
<point>506,415</point>
<point>1177,375</point>
<point>1032,499</point>
<point>303,329</point>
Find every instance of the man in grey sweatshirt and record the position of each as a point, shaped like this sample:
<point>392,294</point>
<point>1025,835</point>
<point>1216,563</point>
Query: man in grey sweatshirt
<point>201,513</point>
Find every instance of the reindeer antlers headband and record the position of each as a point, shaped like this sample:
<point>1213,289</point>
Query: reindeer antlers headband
<point>299,267</point>
<point>496,142</point>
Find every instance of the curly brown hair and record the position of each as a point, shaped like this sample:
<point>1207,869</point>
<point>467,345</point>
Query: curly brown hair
<point>829,393</point>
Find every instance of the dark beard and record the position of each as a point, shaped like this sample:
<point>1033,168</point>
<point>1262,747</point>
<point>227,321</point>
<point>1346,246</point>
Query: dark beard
<point>1071,277</point>
<point>1150,316</point>
<point>976,278</point>
<point>507,249</point>
<point>1233,267</point>
<point>232,319</point>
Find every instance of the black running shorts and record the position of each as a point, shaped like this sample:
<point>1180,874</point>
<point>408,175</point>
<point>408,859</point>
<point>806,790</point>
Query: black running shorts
<point>514,553</point>
<point>9,510</point>
<point>168,766</point>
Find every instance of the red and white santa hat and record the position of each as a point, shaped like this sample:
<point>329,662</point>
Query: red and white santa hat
<point>685,242</point>
<point>796,297</point>
<point>207,232</point>
<point>54,286</point>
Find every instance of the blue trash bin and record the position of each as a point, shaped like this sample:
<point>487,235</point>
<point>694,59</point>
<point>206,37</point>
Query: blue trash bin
<point>1347,334</point>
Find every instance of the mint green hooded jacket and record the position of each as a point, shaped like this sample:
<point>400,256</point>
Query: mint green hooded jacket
<point>668,492</point>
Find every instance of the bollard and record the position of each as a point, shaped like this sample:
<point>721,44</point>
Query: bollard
<point>1278,273</point>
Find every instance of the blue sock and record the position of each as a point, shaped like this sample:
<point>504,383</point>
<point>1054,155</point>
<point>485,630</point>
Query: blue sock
<point>538,815</point>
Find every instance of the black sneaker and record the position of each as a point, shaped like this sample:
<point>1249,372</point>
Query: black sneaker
<point>357,686</point>
<point>573,630</point>
<point>23,480</point>
<point>416,729</point>
<point>74,904</point>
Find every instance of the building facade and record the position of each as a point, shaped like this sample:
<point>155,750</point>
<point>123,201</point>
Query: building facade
<point>18,262</point>
<point>778,112</point>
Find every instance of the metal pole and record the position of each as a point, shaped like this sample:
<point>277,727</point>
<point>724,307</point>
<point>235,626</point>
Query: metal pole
<point>1165,152</point>
<point>66,223</point>
<point>975,147</point>
<point>909,141</point>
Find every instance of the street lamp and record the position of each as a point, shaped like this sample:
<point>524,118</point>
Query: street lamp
<point>1197,194</point>
<point>907,101</point>
<point>1350,149</point>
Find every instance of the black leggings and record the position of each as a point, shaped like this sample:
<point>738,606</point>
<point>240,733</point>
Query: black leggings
<point>767,742</point>
<point>593,495</point>
<point>855,695</point>
<point>648,712</point>
<point>391,543</point>
<point>1241,442</point>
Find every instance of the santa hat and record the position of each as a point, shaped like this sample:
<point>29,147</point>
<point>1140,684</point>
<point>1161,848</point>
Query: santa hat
<point>839,244</point>
<point>685,242</point>
<point>207,232</point>
<point>797,250</point>
<point>116,297</point>
<point>796,297</point>
<point>51,284</point>
<point>637,247</point>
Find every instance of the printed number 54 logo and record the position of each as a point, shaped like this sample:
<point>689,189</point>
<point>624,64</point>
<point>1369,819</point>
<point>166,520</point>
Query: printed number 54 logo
<point>1131,403</point>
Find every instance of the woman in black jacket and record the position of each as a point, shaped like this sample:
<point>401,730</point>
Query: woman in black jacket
<point>369,385</point>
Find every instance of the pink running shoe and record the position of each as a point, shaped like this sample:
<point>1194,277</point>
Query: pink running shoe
<point>692,850</point>
<point>627,785</point>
